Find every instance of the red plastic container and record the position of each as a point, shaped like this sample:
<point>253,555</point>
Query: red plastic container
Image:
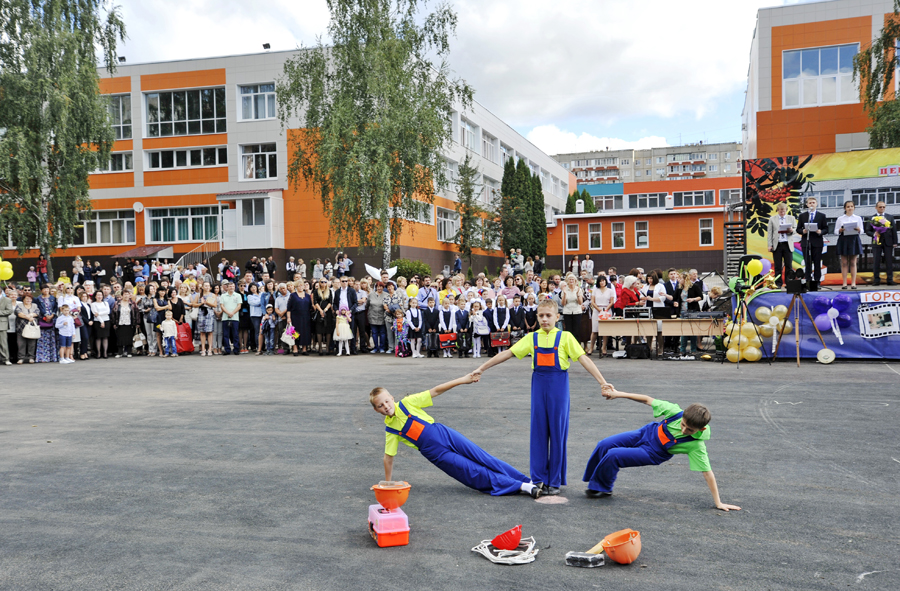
<point>508,540</point>
<point>388,527</point>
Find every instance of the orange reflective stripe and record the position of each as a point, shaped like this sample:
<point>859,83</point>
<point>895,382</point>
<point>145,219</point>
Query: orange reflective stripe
<point>662,434</point>
<point>415,430</point>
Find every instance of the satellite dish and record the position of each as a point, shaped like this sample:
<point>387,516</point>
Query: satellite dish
<point>138,207</point>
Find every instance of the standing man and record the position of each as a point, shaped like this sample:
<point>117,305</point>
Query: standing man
<point>538,266</point>
<point>231,307</point>
<point>425,292</point>
<point>781,228</point>
<point>883,245</point>
<point>6,308</point>
<point>673,305</point>
<point>345,297</point>
<point>812,243</point>
<point>457,266</point>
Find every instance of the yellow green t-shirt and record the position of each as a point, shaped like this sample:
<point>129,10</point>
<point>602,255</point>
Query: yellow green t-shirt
<point>414,403</point>
<point>696,449</point>
<point>568,347</point>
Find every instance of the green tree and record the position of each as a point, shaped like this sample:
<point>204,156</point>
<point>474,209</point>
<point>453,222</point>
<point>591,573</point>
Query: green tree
<point>470,234</point>
<point>522,211</point>
<point>874,67</point>
<point>375,109</point>
<point>509,188</point>
<point>588,202</point>
<point>54,124</point>
<point>538,220</point>
<point>570,203</point>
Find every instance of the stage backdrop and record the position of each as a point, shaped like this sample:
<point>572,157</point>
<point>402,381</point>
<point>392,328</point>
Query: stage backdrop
<point>768,181</point>
<point>868,321</point>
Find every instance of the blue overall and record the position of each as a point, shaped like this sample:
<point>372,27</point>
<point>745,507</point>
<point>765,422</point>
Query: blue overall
<point>647,446</point>
<point>459,458</point>
<point>549,415</point>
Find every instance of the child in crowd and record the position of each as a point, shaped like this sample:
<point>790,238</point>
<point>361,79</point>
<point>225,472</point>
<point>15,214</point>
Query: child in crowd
<point>431,320</point>
<point>447,323</point>
<point>267,329</point>
<point>169,331</point>
<point>517,320</point>
<point>401,334</point>
<point>530,313</point>
<point>551,350</point>
<point>489,316</point>
<point>415,321</point>
<point>480,328</point>
<point>65,324</point>
<point>444,447</point>
<point>501,319</point>
<point>342,332</point>
<point>675,432</point>
<point>463,332</point>
<point>31,276</point>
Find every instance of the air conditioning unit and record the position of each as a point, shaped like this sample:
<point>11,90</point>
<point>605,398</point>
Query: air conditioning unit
<point>670,201</point>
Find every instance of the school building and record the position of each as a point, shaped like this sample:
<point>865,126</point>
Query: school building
<point>200,167</point>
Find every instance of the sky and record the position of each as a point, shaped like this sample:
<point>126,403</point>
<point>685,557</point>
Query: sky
<point>570,75</point>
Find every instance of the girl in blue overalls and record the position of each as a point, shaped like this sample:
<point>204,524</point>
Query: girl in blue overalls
<point>442,446</point>
<point>551,350</point>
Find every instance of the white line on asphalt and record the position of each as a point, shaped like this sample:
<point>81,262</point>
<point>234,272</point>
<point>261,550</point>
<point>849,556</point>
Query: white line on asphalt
<point>892,369</point>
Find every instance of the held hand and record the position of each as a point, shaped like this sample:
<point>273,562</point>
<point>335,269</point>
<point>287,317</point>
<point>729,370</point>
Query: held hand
<point>771,250</point>
<point>609,392</point>
<point>819,232</point>
<point>725,507</point>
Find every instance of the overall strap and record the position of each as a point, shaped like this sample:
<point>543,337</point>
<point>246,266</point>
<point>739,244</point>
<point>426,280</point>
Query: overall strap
<point>403,408</point>
<point>535,334</point>
<point>558,339</point>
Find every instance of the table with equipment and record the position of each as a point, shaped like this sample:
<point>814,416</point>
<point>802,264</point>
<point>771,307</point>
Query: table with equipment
<point>649,328</point>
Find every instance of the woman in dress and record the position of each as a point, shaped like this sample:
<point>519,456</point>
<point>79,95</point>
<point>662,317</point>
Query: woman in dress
<point>849,246</point>
<point>217,310</point>
<point>100,328</point>
<point>125,319</point>
<point>324,316</point>
<point>572,299</point>
<point>254,300</point>
<point>176,304</point>
<point>244,324</point>
<point>87,324</point>
<point>47,349</point>
<point>376,318</point>
<point>602,300</point>
<point>144,301</point>
<point>160,305</point>
<point>318,270</point>
<point>26,312</point>
<point>206,319</point>
<point>299,312</point>
<point>395,299</point>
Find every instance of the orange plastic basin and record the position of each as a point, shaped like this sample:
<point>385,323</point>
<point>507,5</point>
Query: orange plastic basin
<point>623,546</point>
<point>508,540</point>
<point>391,496</point>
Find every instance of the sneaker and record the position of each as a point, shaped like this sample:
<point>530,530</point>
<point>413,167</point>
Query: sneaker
<point>63,361</point>
<point>128,356</point>
<point>118,356</point>
<point>551,491</point>
<point>536,492</point>
<point>596,494</point>
<point>7,362</point>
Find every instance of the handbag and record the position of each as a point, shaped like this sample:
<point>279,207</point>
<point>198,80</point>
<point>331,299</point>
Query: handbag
<point>447,340</point>
<point>45,324</point>
<point>31,331</point>
<point>195,313</point>
<point>78,322</point>
<point>287,339</point>
<point>500,339</point>
<point>139,340</point>
<point>637,351</point>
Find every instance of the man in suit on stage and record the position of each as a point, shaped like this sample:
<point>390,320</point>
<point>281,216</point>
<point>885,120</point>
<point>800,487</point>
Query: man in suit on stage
<point>781,245</point>
<point>883,245</point>
<point>812,242</point>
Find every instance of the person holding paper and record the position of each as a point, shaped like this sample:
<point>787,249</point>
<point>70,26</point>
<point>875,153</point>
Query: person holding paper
<point>883,244</point>
<point>781,245</point>
<point>812,241</point>
<point>849,227</point>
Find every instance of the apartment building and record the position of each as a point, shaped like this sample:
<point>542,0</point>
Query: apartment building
<point>690,161</point>
<point>801,97</point>
<point>200,162</point>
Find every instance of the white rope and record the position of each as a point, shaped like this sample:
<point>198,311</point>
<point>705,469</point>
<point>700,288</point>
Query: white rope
<point>524,556</point>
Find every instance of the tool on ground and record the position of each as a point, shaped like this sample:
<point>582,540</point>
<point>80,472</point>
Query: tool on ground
<point>388,524</point>
<point>590,559</point>
<point>622,546</point>
<point>524,553</point>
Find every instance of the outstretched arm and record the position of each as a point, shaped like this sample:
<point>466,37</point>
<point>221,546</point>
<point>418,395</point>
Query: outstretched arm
<point>497,359</point>
<point>466,379</point>
<point>388,466</point>
<point>611,394</point>
<point>714,489</point>
<point>591,368</point>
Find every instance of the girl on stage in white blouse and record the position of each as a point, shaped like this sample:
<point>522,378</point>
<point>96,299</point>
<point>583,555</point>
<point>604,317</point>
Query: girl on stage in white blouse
<point>849,246</point>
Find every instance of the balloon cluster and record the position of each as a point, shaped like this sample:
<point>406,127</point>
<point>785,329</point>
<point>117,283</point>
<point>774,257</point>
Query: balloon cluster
<point>744,340</point>
<point>6,270</point>
<point>831,313</point>
<point>758,267</point>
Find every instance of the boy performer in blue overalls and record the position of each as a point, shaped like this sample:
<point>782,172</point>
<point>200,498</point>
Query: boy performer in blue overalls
<point>444,447</point>
<point>551,350</point>
<point>676,432</point>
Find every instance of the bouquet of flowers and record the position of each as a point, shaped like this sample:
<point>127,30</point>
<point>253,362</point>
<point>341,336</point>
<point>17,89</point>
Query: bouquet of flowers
<point>881,225</point>
<point>292,332</point>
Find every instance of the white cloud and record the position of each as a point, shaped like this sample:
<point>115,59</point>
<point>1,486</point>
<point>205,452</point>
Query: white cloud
<point>553,140</point>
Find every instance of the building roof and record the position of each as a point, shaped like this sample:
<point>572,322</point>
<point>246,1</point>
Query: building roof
<point>248,192</point>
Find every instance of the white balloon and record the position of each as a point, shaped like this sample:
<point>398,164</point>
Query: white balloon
<point>774,320</point>
<point>833,313</point>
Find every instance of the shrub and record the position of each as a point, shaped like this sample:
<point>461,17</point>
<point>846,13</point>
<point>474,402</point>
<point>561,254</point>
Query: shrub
<point>407,268</point>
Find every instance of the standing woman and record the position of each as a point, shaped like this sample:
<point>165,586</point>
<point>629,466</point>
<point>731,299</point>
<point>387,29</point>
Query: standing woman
<point>206,319</point>
<point>160,305</point>
<point>318,270</point>
<point>244,324</point>
<point>26,312</point>
<point>572,298</point>
<point>573,265</point>
<point>254,301</point>
<point>101,325</point>
<point>602,300</point>
<point>301,268</point>
<point>88,271</point>
<point>393,301</point>
<point>87,324</point>
<point>125,318</point>
<point>324,315</point>
<point>145,299</point>
<point>47,350</point>
<point>656,293</point>
<point>376,318</point>
<point>360,317</point>
<point>217,310</point>
<point>298,315</point>
<point>849,246</point>
<point>176,305</point>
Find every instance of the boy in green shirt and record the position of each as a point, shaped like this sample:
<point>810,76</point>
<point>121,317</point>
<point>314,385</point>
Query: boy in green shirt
<point>678,432</point>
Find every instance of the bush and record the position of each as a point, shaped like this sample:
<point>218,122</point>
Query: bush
<point>407,268</point>
<point>548,273</point>
<point>470,275</point>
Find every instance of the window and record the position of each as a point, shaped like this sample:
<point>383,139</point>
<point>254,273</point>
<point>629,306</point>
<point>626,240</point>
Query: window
<point>186,112</point>
<point>608,202</point>
<point>819,76</point>
<point>466,134</point>
<point>625,161</point>
<point>727,155</point>
<point>259,161</point>
<point>257,102</point>
<point>571,236</point>
<point>648,172</point>
<point>605,162</point>
<point>618,235</point>
<point>727,168</point>
<point>487,147</point>
<point>695,198</point>
<point>713,167</point>
<point>193,158</point>
<point>647,200</point>
<point>491,188</point>
<point>660,171</point>
<point>659,159</point>
<point>627,173</point>
<point>506,153</point>
<point>648,161</point>
<point>451,170</point>
<point>253,212</point>
<point>641,235</point>
<point>706,232</point>
<point>698,167</point>
<point>864,196</point>
<point>119,162</point>
<point>637,173</point>
<point>185,224</point>
<point>107,227</point>
<point>729,196</point>
<point>120,115</point>
<point>713,156</point>
<point>447,224</point>
<point>595,236</point>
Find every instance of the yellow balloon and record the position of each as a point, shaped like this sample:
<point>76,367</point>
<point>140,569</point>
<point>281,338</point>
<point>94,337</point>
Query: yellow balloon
<point>752,354</point>
<point>754,267</point>
<point>780,312</point>
<point>5,265</point>
<point>6,274</point>
<point>763,314</point>
<point>788,327</point>
<point>733,355</point>
<point>740,342</point>
<point>748,330</point>
<point>412,290</point>
<point>754,341</point>
<point>766,330</point>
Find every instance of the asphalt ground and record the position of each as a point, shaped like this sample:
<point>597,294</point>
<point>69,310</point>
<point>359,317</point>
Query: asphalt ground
<point>254,473</point>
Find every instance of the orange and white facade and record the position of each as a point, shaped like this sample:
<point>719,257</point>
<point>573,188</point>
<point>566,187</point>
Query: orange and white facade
<point>201,157</point>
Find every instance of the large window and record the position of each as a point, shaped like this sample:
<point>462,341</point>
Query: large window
<point>467,134</point>
<point>571,236</point>
<point>647,200</point>
<point>487,147</point>
<point>505,153</point>
<point>107,227</point>
<point>694,198</point>
<point>119,162</point>
<point>729,196</point>
<point>608,202</point>
<point>184,224</point>
<point>706,232</point>
<point>865,196</point>
<point>257,102</point>
<point>618,234</point>
<point>489,189</point>
<point>595,236</point>
<point>193,158</point>
<point>186,112</point>
<point>253,212</point>
<point>641,235</point>
<point>820,76</point>
<point>832,198</point>
<point>259,161</point>
<point>120,115</point>
<point>447,224</point>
